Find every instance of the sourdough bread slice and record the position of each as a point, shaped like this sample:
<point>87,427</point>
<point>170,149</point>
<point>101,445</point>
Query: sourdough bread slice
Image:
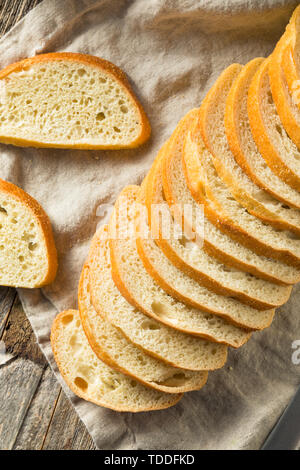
<point>184,288</point>
<point>212,128</point>
<point>235,220</point>
<point>274,144</point>
<point>140,289</point>
<point>216,243</point>
<point>27,250</point>
<point>167,344</point>
<point>113,348</point>
<point>71,101</point>
<point>245,151</point>
<point>191,258</point>
<point>94,381</point>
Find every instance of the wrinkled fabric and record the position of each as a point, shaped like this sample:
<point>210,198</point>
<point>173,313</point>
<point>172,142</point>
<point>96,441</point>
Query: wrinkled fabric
<point>172,52</point>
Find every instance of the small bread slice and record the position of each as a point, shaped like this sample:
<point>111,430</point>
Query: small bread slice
<point>191,258</point>
<point>27,250</point>
<point>133,279</point>
<point>245,151</point>
<point>113,348</point>
<point>69,100</point>
<point>162,342</point>
<point>212,128</point>
<point>94,381</point>
<point>215,242</point>
<point>274,144</point>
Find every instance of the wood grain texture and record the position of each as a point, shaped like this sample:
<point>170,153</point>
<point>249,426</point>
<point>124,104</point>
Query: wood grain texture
<point>34,411</point>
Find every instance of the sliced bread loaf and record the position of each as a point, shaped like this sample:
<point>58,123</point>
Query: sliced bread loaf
<point>216,243</point>
<point>244,190</point>
<point>278,150</point>
<point>71,101</point>
<point>245,151</point>
<point>191,258</point>
<point>27,250</point>
<point>94,381</point>
<point>167,344</point>
<point>140,289</point>
<point>113,348</point>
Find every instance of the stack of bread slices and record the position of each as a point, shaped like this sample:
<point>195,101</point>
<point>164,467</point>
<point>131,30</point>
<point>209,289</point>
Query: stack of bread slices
<point>156,313</point>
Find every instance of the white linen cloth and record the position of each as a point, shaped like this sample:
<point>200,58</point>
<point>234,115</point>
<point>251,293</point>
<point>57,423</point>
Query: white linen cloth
<point>172,51</point>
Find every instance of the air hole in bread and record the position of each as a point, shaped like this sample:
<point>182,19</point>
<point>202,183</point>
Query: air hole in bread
<point>149,325</point>
<point>174,381</point>
<point>100,116</point>
<point>279,129</point>
<point>81,383</point>
<point>4,211</point>
<point>67,319</point>
<point>81,72</point>
<point>160,309</point>
<point>116,129</point>
<point>124,109</point>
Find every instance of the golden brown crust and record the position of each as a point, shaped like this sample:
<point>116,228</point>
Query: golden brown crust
<point>43,221</point>
<point>103,356</point>
<point>264,144</point>
<point>90,60</point>
<point>53,338</point>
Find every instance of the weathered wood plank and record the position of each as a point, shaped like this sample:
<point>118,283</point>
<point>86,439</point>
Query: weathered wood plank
<point>36,422</point>
<point>7,297</point>
<point>66,430</point>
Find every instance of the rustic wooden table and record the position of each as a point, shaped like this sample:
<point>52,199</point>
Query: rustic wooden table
<point>34,411</point>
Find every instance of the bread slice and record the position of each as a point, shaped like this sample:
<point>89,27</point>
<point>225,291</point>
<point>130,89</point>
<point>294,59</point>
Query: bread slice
<point>69,100</point>
<point>247,193</point>
<point>287,110</point>
<point>113,348</point>
<point>245,151</point>
<point>278,150</point>
<point>27,250</point>
<point>190,257</point>
<point>235,220</point>
<point>215,242</point>
<point>133,281</point>
<point>162,342</point>
<point>94,381</point>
